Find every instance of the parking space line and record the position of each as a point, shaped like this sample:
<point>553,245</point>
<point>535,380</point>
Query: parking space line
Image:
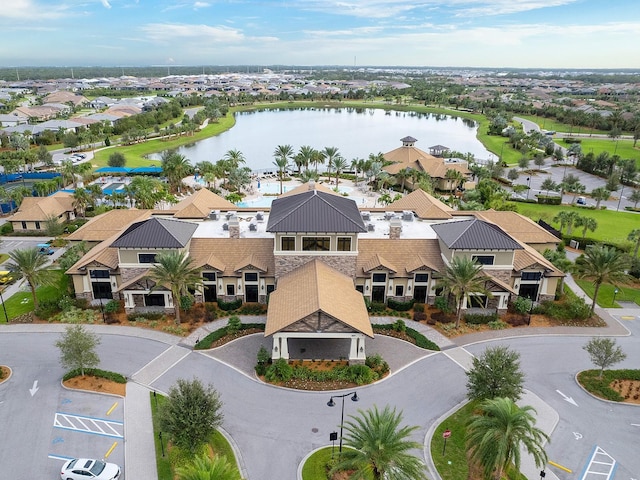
<point>112,408</point>
<point>106,455</point>
<point>599,458</point>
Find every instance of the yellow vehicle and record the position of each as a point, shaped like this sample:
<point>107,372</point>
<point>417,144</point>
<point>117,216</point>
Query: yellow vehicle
<point>5,276</point>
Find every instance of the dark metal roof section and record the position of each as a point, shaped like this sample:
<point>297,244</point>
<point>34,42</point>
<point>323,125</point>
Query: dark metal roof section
<point>475,234</point>
<point>409,138</point>
<point>315,211</point>
<point>156,233</point>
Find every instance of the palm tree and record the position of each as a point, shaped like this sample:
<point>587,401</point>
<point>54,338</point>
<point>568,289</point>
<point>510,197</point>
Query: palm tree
<point>208,468</point>
<point>175,269</point>
<point>635,197</point>
<point>602,264</point>
<point>587,223</point>
<point>175,167</point>
<point>462,278</point>
<point>454,178</point>
<point>81,200</point>
<point>285,152</point>
<point>380,447</point>
<point>402,177</point>
<point>330,154</point>
<point>306,155</point>
<point>496,435</point>
<point>30,264</point>
<point>600,194</point>
<point>234,158</point>
<point>339,164</point>
<point>567,219</point>
<point>634,236</point>
<point>281,163</point>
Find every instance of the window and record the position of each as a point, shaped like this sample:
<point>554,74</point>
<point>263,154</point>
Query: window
<point>24,225</point>
<point>288,243</point>
<point>315,244</point>
<point>531,276</point>
<point>399,290</point>
<point>483,259</point>
<point>37,225</point>
<point>146,258</point>
<point>270,288</point>
<point>209,276</point>
<point>231,289</point>
<point>422,277</point>
<point>360,288</point>
<point>99,273</point>
<point>379,277</point>
<point>250,277</point>
<point>344,244</point>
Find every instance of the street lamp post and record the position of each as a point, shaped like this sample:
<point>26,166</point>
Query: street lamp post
<point>331,403</point>
<point>528,186</point>
<point>615,292</point>
<point>620,199</point>
<point>4,308</point>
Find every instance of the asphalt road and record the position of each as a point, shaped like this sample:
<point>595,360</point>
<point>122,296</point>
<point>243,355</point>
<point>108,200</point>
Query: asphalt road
<point>274,428</point>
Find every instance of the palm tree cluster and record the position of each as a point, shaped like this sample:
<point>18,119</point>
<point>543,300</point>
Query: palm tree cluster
<point>570,219</point>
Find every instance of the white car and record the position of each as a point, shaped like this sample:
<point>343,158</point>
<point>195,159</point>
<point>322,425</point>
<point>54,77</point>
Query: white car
<point>86,469</point>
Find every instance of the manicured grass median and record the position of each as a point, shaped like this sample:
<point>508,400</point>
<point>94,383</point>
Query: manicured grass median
<point>451,462</point>
<point>22,302</point>
<point>176,457</point>
<point>606,294</point>
<point>601,387</point>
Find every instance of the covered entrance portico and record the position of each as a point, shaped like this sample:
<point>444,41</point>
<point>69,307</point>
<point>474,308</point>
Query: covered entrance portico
<point>321,305</point>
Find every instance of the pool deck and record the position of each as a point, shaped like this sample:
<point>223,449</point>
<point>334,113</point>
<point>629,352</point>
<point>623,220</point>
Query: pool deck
<point>364,198</point>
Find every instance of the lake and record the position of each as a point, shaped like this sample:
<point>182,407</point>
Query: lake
<point>356,132</point>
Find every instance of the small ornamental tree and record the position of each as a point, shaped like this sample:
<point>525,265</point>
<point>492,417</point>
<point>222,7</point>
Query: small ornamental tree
<point>116,159</point>
<point>190,413</point>
<point>78,348</point>
<point>604,353</point>
<point>496,373</point>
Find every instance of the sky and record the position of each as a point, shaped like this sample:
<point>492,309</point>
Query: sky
<point>565,34</point>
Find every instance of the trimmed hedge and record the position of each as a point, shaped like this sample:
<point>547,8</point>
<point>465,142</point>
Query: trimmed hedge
<point>479,318</point>
<point>400,306</point>
<point>228,306</point>
<point>216,335</point>
<point>549,199</point>
<point>421,340</point>
<point>96,372</point>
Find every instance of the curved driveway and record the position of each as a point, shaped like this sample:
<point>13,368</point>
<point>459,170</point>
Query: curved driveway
<point>273,428</point>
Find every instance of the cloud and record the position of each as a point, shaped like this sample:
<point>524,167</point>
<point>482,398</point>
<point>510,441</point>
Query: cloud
<point>204,34</point>
<point>198,5</point>
<point>30,10</point>
<point>105,3</point>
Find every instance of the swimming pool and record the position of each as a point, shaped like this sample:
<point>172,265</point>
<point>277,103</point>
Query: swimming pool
<point>257,202</point>
<point>112,187</point>
<point>274,187</point>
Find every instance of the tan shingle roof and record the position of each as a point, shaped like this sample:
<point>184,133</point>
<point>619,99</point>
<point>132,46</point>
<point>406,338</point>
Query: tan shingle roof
<point>423,205</point>
<point>200,204</point>
<point>107,224</point>
<point>229,254</point>
<point>530,257</point>
<point>102,254</point>
<point>38,209</point>
<point>316,287</point>
<point>414,158</point>
<point>377,262</point>
<point>405,254</point>
<point>522,228</point>
<point>305,187</point>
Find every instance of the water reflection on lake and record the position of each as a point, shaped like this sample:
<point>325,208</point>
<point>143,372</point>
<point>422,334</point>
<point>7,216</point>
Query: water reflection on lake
<point>356,133</point>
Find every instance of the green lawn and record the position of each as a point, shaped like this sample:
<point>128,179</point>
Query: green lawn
<point>135,155</point>
<point>553,124</point>
<point>605,294</point>
<point>598,145</point>
<point>4,257</point>
<point>451,462</point>
<point>315,468</point>
<point>613,227</point>
<point>22,302</point>
<point>176,457</point>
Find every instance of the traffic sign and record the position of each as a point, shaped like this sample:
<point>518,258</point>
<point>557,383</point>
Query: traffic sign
<point>446,433</point>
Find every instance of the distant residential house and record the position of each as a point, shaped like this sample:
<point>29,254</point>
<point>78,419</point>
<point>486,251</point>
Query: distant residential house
<point>66,97</point>
<point>34,212</point>
<point>13,119</point>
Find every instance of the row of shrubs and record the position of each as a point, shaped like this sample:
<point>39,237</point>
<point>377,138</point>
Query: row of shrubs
<point>233,326</point>
<point>601,387</point>
<point>96,372</point>
<point>400,326</point>
<point>571,308</point>
<point>281,371</point>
